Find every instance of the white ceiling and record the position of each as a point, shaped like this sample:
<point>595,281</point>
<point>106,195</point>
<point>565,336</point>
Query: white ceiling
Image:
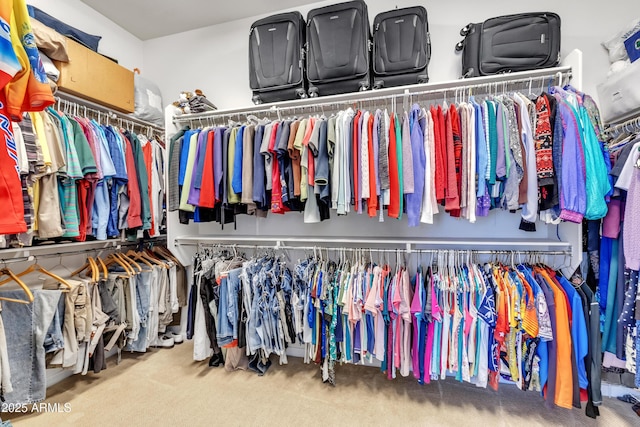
<point>148,19</point>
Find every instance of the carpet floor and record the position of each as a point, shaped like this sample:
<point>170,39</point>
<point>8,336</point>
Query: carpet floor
<point>164,387</point>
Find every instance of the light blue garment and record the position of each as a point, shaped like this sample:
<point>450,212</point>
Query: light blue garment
<point>101,210</point>
<point>106,163</point>
<point>25,327</point>
<point>54,339</point>
<point>143,302</point>
<point>598,185</point>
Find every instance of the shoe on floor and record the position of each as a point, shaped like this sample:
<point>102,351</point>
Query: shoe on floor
<point>165,341</point>
<point>177,338</point>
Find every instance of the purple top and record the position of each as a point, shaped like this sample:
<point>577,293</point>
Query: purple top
<point>414,199</point>
<point>501,165</point>
<point>573,197</point>
<point>217,158</point>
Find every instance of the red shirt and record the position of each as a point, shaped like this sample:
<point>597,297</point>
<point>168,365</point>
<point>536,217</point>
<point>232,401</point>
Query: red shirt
<point>457,151</point>
<point>207,187</point>
<point>452,201</point>
<point>440,153</point>
<point>133,187</point>
<point>394,182</point>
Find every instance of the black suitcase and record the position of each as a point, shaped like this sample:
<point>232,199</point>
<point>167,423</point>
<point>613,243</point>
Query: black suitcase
<point>401,47</point>
<point>276,58</point>
<point>339,49</point>
<point>521,42</point>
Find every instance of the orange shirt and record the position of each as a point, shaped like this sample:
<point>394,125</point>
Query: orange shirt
<point>564,377</point>
<point>29,90</point>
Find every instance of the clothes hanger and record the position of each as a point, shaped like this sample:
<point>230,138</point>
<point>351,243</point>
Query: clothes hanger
<point>113,259</point>
<point>105,271</point>
<point>137,256</point>
<point>86,265</point>
<point>129,261</point>
<point>35,267</point>
<point>12,277</point>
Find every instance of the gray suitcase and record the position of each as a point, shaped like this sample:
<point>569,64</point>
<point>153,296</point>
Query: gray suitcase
<point>521,42</point>
<point>339,49</point>
<point>401,47</point>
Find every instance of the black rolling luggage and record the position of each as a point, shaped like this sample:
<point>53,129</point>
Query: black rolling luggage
<point>338,54</point>
<point>401,47</point>
<point>521,42</point>
<point>276,58</point>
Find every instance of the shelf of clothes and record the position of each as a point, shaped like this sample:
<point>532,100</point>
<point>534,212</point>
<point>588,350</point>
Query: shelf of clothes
<point>85,180</point>
<point>72,320</point>
<point>614,259</point>
<point>64,176</point>
<point>479,323</point>
<point>543,155</point>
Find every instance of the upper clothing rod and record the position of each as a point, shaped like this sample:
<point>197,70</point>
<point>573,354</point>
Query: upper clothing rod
<point>97,108</point>
<point>533,76</point>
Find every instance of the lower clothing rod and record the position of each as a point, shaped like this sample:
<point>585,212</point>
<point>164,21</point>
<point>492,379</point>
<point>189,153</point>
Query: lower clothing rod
<point>378,250</point>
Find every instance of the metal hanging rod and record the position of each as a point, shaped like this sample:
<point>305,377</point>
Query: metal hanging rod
<point>27,253</point>
<point>630,126</point>
<point>82,106</point>
<point>492,84</point>
<point>409,244</point>
<point>380,250</point>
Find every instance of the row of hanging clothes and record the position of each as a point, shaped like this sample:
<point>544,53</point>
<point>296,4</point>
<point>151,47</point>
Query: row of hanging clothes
<point>85,176</point>
<point>614,256</point>
<point>453,316</point>
<point>73,319</point>
<point>541,154</point>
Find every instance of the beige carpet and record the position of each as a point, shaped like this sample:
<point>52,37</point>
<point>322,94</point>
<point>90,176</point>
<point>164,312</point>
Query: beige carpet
<point>166,388</point>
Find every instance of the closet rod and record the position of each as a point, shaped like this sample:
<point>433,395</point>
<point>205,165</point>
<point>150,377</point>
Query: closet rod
<point>379,250</point>
<point>38,252</point>
<point>84,104</point>
<point>388,93</point>
<point>630,126</point>
<point>407,242</point>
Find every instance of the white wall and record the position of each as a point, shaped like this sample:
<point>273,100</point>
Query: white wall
<point>215,58</point>
<point>116,42</point>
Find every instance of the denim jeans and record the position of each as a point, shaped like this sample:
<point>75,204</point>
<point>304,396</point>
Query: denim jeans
<point>143,285</point>
<point>225,328</point>
<point>54,340</point>
<point>25,329</point>
<point>233,288</point>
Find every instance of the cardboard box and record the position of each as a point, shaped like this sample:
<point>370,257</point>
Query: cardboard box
<point>96,78</point>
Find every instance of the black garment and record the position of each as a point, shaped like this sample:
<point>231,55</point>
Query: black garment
<point>209,292</point>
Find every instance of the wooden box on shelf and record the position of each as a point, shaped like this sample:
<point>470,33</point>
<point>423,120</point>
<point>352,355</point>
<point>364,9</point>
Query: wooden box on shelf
<point>96,78</point>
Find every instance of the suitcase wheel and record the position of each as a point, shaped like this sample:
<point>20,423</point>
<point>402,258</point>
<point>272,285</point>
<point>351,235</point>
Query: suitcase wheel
<point>300,93</point>
<point>378,84</point>
<point>459,46</point>
<point>465,31</point>
<point>313,92</point>
<point>256,99</point>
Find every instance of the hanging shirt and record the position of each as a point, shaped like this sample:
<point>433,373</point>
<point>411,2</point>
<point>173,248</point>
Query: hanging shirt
<point>414,199</point>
